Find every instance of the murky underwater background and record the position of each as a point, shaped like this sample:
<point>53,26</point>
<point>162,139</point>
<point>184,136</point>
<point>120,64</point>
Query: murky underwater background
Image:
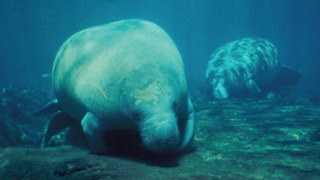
<point>236,138</point>
<point>32,32</point>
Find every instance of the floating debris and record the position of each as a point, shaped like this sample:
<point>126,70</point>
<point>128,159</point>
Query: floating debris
<point>45,75</point>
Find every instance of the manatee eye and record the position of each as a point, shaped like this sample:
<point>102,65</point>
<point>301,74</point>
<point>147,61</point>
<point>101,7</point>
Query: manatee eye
<point>137,116</point>
<point>174,105</point>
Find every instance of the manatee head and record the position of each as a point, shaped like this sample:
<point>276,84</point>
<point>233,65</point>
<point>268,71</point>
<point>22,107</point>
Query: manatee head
<point>160,132</point>
<point>157,111</point>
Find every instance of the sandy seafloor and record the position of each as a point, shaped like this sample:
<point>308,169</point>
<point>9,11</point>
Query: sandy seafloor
<point>235,139</point>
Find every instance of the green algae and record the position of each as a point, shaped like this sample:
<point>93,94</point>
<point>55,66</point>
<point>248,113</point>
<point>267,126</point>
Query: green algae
<point>235,139</point>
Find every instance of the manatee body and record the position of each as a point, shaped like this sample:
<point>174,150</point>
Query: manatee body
<point>247,67</point>
<point>127,75</point>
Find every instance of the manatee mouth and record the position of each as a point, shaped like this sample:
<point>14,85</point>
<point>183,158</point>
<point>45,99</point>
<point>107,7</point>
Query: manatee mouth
<point>161,136</point>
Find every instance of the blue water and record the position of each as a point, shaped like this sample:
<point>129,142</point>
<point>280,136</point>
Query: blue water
<point>32,31</point>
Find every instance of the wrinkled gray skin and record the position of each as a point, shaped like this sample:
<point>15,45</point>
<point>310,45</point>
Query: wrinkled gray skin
<point>248,67</point>
<point>125,75</point>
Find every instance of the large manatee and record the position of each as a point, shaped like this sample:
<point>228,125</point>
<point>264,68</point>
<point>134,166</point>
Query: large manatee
<point>127,75</point>
<point>247,67</point>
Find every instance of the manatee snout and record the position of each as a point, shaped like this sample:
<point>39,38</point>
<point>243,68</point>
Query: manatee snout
<point>161,134</point>
<point>166,137</point>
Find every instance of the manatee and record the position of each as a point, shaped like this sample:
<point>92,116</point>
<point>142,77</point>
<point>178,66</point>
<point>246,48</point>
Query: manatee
<point>126,75</point>
<point>248,67</point>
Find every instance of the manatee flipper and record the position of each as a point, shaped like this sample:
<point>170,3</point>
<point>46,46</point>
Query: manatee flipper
<point>220,92</point>
<point>286,77</point>
<point>273,95</point>
<point>92,129</point>
<point>188,128</point>
<point>51,107</point>
<point>253,87</point>
<point>58,123</point>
